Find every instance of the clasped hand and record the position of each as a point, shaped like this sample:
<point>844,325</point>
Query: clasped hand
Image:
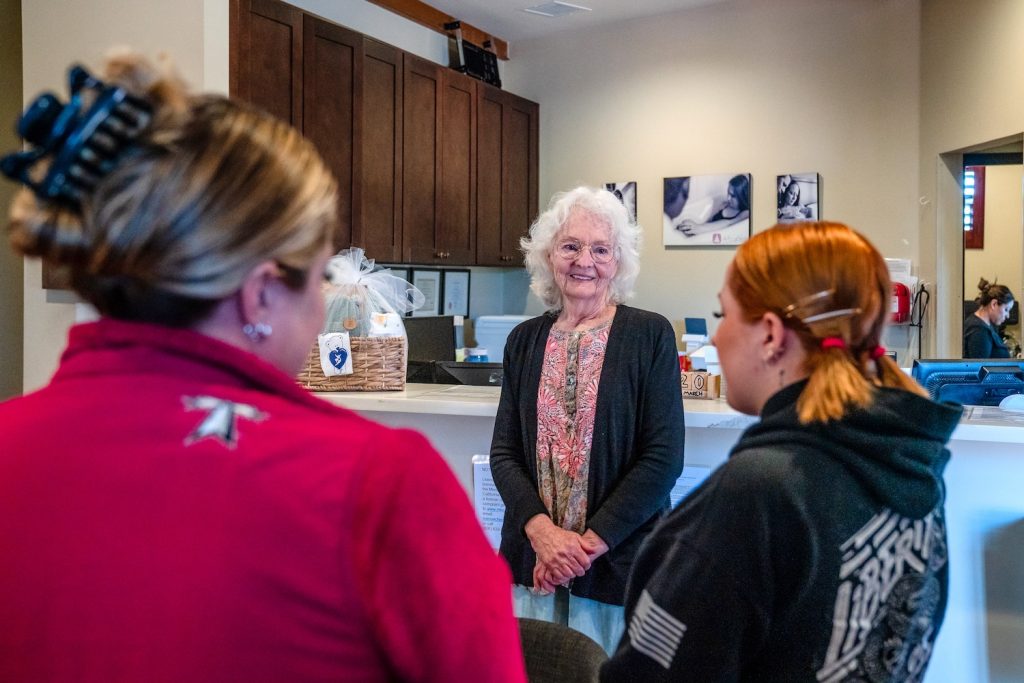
<point>561,554</point>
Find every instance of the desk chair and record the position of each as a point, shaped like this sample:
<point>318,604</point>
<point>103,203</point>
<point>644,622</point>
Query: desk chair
<point>559,654</point>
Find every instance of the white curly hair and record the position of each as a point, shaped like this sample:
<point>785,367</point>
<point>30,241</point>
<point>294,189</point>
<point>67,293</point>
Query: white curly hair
<point>626,238</point>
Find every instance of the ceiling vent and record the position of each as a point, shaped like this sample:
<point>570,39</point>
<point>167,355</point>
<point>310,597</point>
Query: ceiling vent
<point>555,9</point>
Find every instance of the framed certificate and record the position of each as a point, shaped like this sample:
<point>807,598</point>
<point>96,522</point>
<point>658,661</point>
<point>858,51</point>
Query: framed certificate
<point>455,293</point>
<point>428,282</point>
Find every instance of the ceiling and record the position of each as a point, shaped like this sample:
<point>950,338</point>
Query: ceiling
<point>506,19</point>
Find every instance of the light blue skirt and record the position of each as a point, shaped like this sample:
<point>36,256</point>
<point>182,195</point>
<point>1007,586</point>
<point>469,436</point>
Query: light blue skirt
<point>602,622</point>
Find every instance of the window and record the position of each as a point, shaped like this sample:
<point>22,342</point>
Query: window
<point>974,207</point>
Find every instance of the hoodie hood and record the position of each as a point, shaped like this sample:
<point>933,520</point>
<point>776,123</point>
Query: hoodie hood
<point>895,448</point>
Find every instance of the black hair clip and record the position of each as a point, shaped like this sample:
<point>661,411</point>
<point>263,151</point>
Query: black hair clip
<point>85,141</point>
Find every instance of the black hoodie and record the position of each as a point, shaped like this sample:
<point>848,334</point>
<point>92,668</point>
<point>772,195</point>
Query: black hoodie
<point>815,553</point>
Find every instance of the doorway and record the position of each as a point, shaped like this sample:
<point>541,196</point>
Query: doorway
<point>993,226</point>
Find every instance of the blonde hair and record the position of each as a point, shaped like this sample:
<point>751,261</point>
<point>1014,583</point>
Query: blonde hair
<point>626,238</point>
<point>824,280</point>
<point>212,188</point>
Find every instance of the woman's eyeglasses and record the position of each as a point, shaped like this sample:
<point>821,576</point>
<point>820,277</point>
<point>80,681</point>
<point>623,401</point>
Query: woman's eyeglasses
<point>571,250</point>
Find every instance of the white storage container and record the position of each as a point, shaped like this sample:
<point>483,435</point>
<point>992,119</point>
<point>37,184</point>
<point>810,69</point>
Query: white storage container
<point>491,331</point>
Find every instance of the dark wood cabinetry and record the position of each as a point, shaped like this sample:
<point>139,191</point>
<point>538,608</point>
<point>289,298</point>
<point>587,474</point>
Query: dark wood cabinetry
<point>421,159</point>
<point>457,232</point>
<point>331,118</point>
<point>379,231</point>
<point>439,144</point>
<point>433,167</point>
<point>507,167</point>
<point>266,56</point>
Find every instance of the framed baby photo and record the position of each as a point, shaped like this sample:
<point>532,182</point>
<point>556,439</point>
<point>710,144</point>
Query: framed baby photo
<point>626,192</point>
<point>798,197</point>
<point>706,210</point>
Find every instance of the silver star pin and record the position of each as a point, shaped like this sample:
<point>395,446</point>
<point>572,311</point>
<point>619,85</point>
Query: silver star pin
<point>221,421</point>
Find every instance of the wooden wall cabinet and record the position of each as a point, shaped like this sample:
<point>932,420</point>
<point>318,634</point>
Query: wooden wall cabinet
<point>379,229</point>
<point>332,72</point>
<point>507,168</point>
<point>433,167</point>
<point>421,159</point>
<point>439,165</point>
<point>266,57</point>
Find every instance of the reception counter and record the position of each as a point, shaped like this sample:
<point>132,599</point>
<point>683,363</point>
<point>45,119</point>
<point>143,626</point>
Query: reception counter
<point>984,626</point>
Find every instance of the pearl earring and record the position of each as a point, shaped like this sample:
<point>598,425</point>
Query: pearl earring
<point>257,332</point>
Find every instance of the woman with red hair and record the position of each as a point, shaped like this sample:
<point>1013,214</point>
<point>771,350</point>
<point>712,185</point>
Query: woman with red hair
<point>817,552</point>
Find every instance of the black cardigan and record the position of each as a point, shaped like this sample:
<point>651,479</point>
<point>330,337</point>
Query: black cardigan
<point>635,458</point>
<point>981,340</point>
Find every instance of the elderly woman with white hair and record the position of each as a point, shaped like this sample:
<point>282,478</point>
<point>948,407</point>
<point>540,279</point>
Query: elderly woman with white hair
<point>588,440</point>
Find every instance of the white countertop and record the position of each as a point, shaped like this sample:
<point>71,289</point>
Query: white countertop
<point>435,399</point>
<point>443,399</point>
<point>978,424</point>
<point>982,423</point>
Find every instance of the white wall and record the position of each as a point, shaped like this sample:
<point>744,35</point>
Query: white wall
<point>739,86</point>
<point>56,33</point>
<point>11,292</point>
<point>1002,259</point>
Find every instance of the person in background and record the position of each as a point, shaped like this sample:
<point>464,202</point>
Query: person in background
<point>677,192</point>
<point>789,203</point>
<point>173,506</point>
<point>817,552</point>
<point>729,210</point>
<point>588,439</point>
<point>981,330</point>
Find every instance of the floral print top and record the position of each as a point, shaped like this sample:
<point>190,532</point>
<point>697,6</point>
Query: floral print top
<point>566,403</point>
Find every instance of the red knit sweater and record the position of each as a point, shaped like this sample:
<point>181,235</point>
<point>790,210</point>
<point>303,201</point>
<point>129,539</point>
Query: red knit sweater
<point>175,509</point>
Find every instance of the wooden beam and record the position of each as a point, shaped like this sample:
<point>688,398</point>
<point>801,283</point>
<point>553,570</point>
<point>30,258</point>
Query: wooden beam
<point>435,19</point>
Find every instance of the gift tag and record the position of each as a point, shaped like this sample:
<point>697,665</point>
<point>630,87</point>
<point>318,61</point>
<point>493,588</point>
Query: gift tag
<point>335,354</point>
<point>386,325</point>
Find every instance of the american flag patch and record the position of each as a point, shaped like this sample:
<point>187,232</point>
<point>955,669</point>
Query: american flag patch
<point>654,632</point>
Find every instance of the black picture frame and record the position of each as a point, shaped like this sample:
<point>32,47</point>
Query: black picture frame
<point>455,286</point>
<point>428,281</point>
<point>798,197</point>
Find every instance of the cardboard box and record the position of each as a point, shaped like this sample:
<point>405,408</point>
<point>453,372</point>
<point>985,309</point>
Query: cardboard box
<point>700,385</point>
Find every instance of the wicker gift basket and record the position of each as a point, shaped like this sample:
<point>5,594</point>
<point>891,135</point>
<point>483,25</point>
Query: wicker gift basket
<point>363,346</point>
<point>378,364</point>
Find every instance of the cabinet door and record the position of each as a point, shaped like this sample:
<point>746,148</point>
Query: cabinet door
<point>507,165</point>
<point>488,176</point>
<point>266,42</point>
<point>332,75</point>
<point>456,238</point>
<point>379,228</point>
<point>519,164</point>
<point>421,160</point>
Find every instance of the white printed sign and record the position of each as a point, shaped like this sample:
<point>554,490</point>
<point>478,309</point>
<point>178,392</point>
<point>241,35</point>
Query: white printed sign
<point>490,509</point>
<point>691,478</point>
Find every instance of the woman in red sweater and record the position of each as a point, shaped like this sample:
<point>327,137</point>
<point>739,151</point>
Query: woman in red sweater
<point>173,507</point>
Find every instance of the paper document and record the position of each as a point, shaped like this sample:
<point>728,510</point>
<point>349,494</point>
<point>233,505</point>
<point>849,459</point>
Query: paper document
<point>490,509</point>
